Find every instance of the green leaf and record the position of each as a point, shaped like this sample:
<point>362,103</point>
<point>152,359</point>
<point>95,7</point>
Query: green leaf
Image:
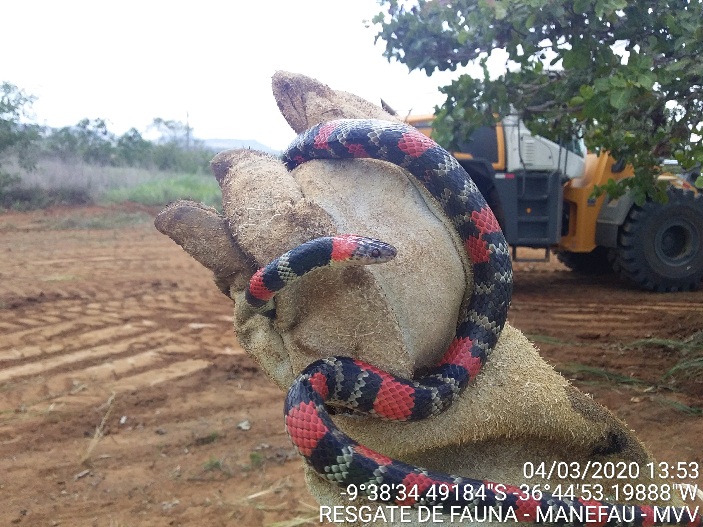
<point>500,10</point>
<point>602,85</point>
<point>619,98</point>
<point>699,182</point>
<point>618,82</point>
<point>586,91</point>
<point>679,65</point>
<point>639,195</point>
<point>582,7</point>
<point>531,20</point>
<point>646,80</point>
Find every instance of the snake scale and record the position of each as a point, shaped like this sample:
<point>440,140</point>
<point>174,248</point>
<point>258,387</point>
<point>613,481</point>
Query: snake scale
<point>363,388</point>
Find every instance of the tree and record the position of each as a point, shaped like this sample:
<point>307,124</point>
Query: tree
<point>64,144</point>
<point>96,142</point>
<point>626,75</point>
<point>89,140</point>
<point>16,137</point>
<point>133,149</point>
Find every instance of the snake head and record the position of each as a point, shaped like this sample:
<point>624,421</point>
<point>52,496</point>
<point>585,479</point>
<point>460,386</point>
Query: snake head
<point>350,249</point>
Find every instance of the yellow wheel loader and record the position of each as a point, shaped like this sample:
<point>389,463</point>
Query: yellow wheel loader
<point>542,195</point>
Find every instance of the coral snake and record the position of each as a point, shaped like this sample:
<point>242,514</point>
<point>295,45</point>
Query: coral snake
<point>363,388</point>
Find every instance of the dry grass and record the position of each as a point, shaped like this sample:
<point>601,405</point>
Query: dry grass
<point>97,180</point>
<point>56,182</point>
<point>99,431</point>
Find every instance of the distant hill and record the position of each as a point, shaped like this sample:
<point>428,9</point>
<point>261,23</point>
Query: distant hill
<point>228,144</point>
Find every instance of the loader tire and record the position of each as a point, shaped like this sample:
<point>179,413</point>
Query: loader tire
<point>594,263</point>
<point>660,245</point>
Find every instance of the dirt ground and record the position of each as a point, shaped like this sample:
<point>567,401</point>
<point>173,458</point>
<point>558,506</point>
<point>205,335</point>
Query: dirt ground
<point>116,330</point>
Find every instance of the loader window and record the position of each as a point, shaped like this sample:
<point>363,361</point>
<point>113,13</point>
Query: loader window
<point>487,142</point>
<point>575,145</point>
<point>482,145</point>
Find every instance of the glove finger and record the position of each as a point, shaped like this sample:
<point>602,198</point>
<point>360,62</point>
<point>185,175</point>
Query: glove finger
<point>204,234</point>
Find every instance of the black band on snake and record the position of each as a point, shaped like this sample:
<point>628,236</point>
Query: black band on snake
<point>346,382</point>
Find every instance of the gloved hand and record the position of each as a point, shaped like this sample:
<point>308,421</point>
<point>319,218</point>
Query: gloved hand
<point>399,316</point>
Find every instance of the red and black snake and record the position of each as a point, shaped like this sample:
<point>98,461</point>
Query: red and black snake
<point>361,387</point>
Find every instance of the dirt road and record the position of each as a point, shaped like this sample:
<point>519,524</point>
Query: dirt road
<point>125,399</point>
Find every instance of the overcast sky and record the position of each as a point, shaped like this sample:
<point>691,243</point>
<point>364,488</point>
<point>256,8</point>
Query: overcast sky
<point>131,61</point>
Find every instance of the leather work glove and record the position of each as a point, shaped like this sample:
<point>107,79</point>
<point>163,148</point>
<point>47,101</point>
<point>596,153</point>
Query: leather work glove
<point>399,316</point>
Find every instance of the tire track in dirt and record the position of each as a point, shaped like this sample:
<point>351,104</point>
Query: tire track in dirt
<point>17,340</point>
<point>93,354</point>
<point>88,318</point>
<point>619,320</point>
<point>19,350</point>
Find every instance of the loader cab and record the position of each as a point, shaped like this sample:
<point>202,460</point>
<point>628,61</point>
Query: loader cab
<point>542,194</point>
<point>521,177</point>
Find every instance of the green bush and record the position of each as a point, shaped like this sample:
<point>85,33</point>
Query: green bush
<point>165,190</point>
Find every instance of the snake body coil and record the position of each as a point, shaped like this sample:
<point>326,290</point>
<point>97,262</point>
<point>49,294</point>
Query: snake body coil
<point>345,249</point>
<point>346,382</point>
